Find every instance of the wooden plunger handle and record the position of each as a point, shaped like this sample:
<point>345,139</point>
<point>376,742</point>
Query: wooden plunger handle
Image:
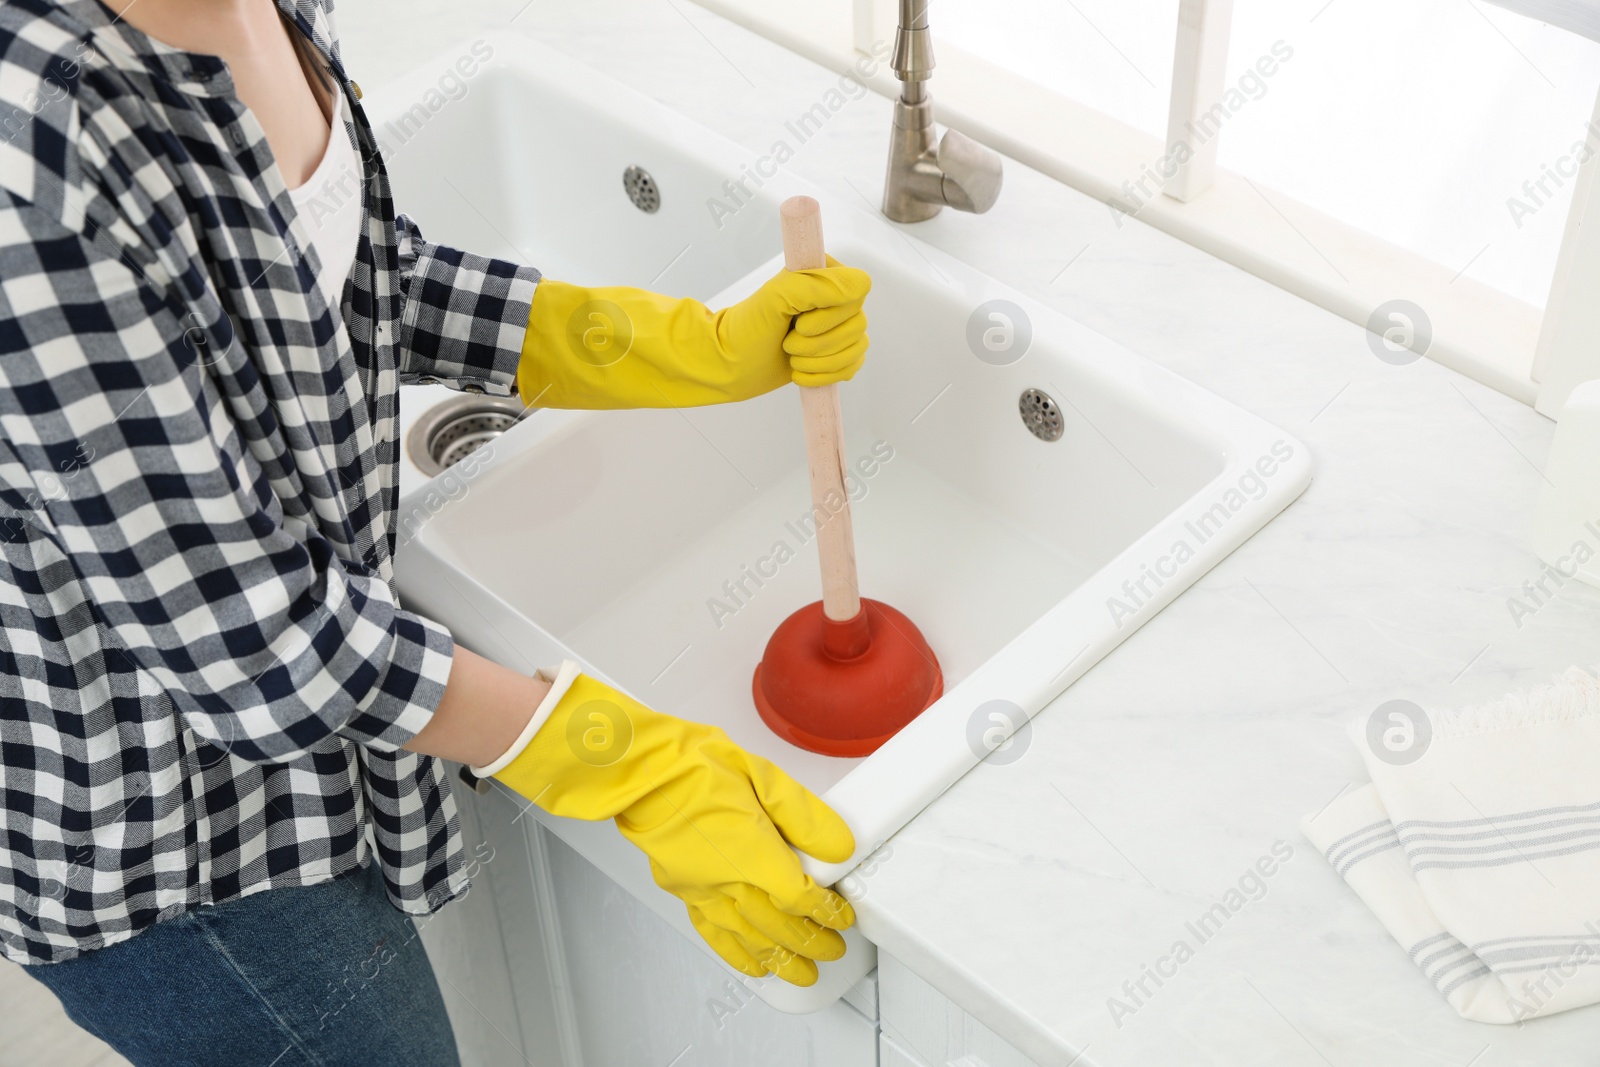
<point>819,407</point>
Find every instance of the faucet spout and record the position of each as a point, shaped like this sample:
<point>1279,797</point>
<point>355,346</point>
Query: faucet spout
<point>922,177</point>
<point>913,50</point>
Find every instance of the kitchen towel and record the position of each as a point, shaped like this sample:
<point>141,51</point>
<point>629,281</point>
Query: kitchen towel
<point>1578,16</point>
<point>1477,845</point>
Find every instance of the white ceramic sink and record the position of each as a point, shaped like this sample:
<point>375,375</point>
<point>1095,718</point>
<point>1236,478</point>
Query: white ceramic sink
<point>647,543</point>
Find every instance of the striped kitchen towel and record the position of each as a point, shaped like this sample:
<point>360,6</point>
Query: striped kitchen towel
<point>1477,845</point>
<point>1578,16</point>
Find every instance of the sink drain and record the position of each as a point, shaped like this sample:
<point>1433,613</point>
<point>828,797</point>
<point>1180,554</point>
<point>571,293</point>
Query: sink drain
<point>641,189</point>
<point>1041,415</point>
<point>449,432</point>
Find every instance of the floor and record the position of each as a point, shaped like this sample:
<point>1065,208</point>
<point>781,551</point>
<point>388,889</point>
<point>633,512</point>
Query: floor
<point>34,1029</point>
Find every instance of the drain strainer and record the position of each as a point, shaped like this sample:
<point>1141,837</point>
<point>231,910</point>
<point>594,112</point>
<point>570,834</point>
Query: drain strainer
<point>641,189</point>
<point>449,432</point>
<point>1041,415</point>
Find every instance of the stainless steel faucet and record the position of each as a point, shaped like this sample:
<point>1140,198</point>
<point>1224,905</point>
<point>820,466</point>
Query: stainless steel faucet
<point>922,179</point>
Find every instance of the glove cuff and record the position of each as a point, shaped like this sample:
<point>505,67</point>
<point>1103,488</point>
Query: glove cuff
<point>560,682</point>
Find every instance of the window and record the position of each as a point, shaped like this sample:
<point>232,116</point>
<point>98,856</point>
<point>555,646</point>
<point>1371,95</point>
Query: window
<point>1112,55</point>
<point>1369,149</point>
<point>1418,121</point>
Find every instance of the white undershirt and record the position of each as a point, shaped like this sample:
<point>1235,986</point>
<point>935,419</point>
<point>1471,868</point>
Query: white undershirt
<point>330,204</point>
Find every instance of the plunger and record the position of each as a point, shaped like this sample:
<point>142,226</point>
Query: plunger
<point>843,675</point>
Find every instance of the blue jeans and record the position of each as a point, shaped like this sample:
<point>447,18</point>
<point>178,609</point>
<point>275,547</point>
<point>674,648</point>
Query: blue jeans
<point>313,976</point>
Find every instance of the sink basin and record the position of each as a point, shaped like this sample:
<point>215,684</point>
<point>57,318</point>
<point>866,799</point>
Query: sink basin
<point>661,548</point>
<point>526,159</point>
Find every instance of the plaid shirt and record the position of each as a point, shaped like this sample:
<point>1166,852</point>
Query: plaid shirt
<point>205,677</point>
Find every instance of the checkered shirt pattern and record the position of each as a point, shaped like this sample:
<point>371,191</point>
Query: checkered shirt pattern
<point>205,676</point>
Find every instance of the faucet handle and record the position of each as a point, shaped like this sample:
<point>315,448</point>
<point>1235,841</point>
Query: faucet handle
<point>971,173</point>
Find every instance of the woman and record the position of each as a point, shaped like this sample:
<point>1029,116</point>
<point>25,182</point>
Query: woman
<point>220,735</point>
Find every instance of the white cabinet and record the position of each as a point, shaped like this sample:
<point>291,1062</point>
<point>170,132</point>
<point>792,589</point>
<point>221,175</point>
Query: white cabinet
<point>550,963</point>
<point>464,942</point>
<point>921,1027</point>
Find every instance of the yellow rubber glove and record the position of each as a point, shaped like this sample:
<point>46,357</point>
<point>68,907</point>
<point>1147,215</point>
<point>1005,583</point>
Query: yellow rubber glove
<point>628,348</point>
<point>716,822</point>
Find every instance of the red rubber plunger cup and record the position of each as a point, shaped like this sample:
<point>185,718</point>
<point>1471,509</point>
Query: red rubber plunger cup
<point>843,675</point>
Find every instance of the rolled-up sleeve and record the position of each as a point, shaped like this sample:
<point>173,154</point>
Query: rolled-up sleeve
<point>120,459</point>
<point>464,316</point>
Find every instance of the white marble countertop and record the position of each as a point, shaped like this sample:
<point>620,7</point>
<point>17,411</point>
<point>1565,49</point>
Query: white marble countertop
<point>1031,892</point>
